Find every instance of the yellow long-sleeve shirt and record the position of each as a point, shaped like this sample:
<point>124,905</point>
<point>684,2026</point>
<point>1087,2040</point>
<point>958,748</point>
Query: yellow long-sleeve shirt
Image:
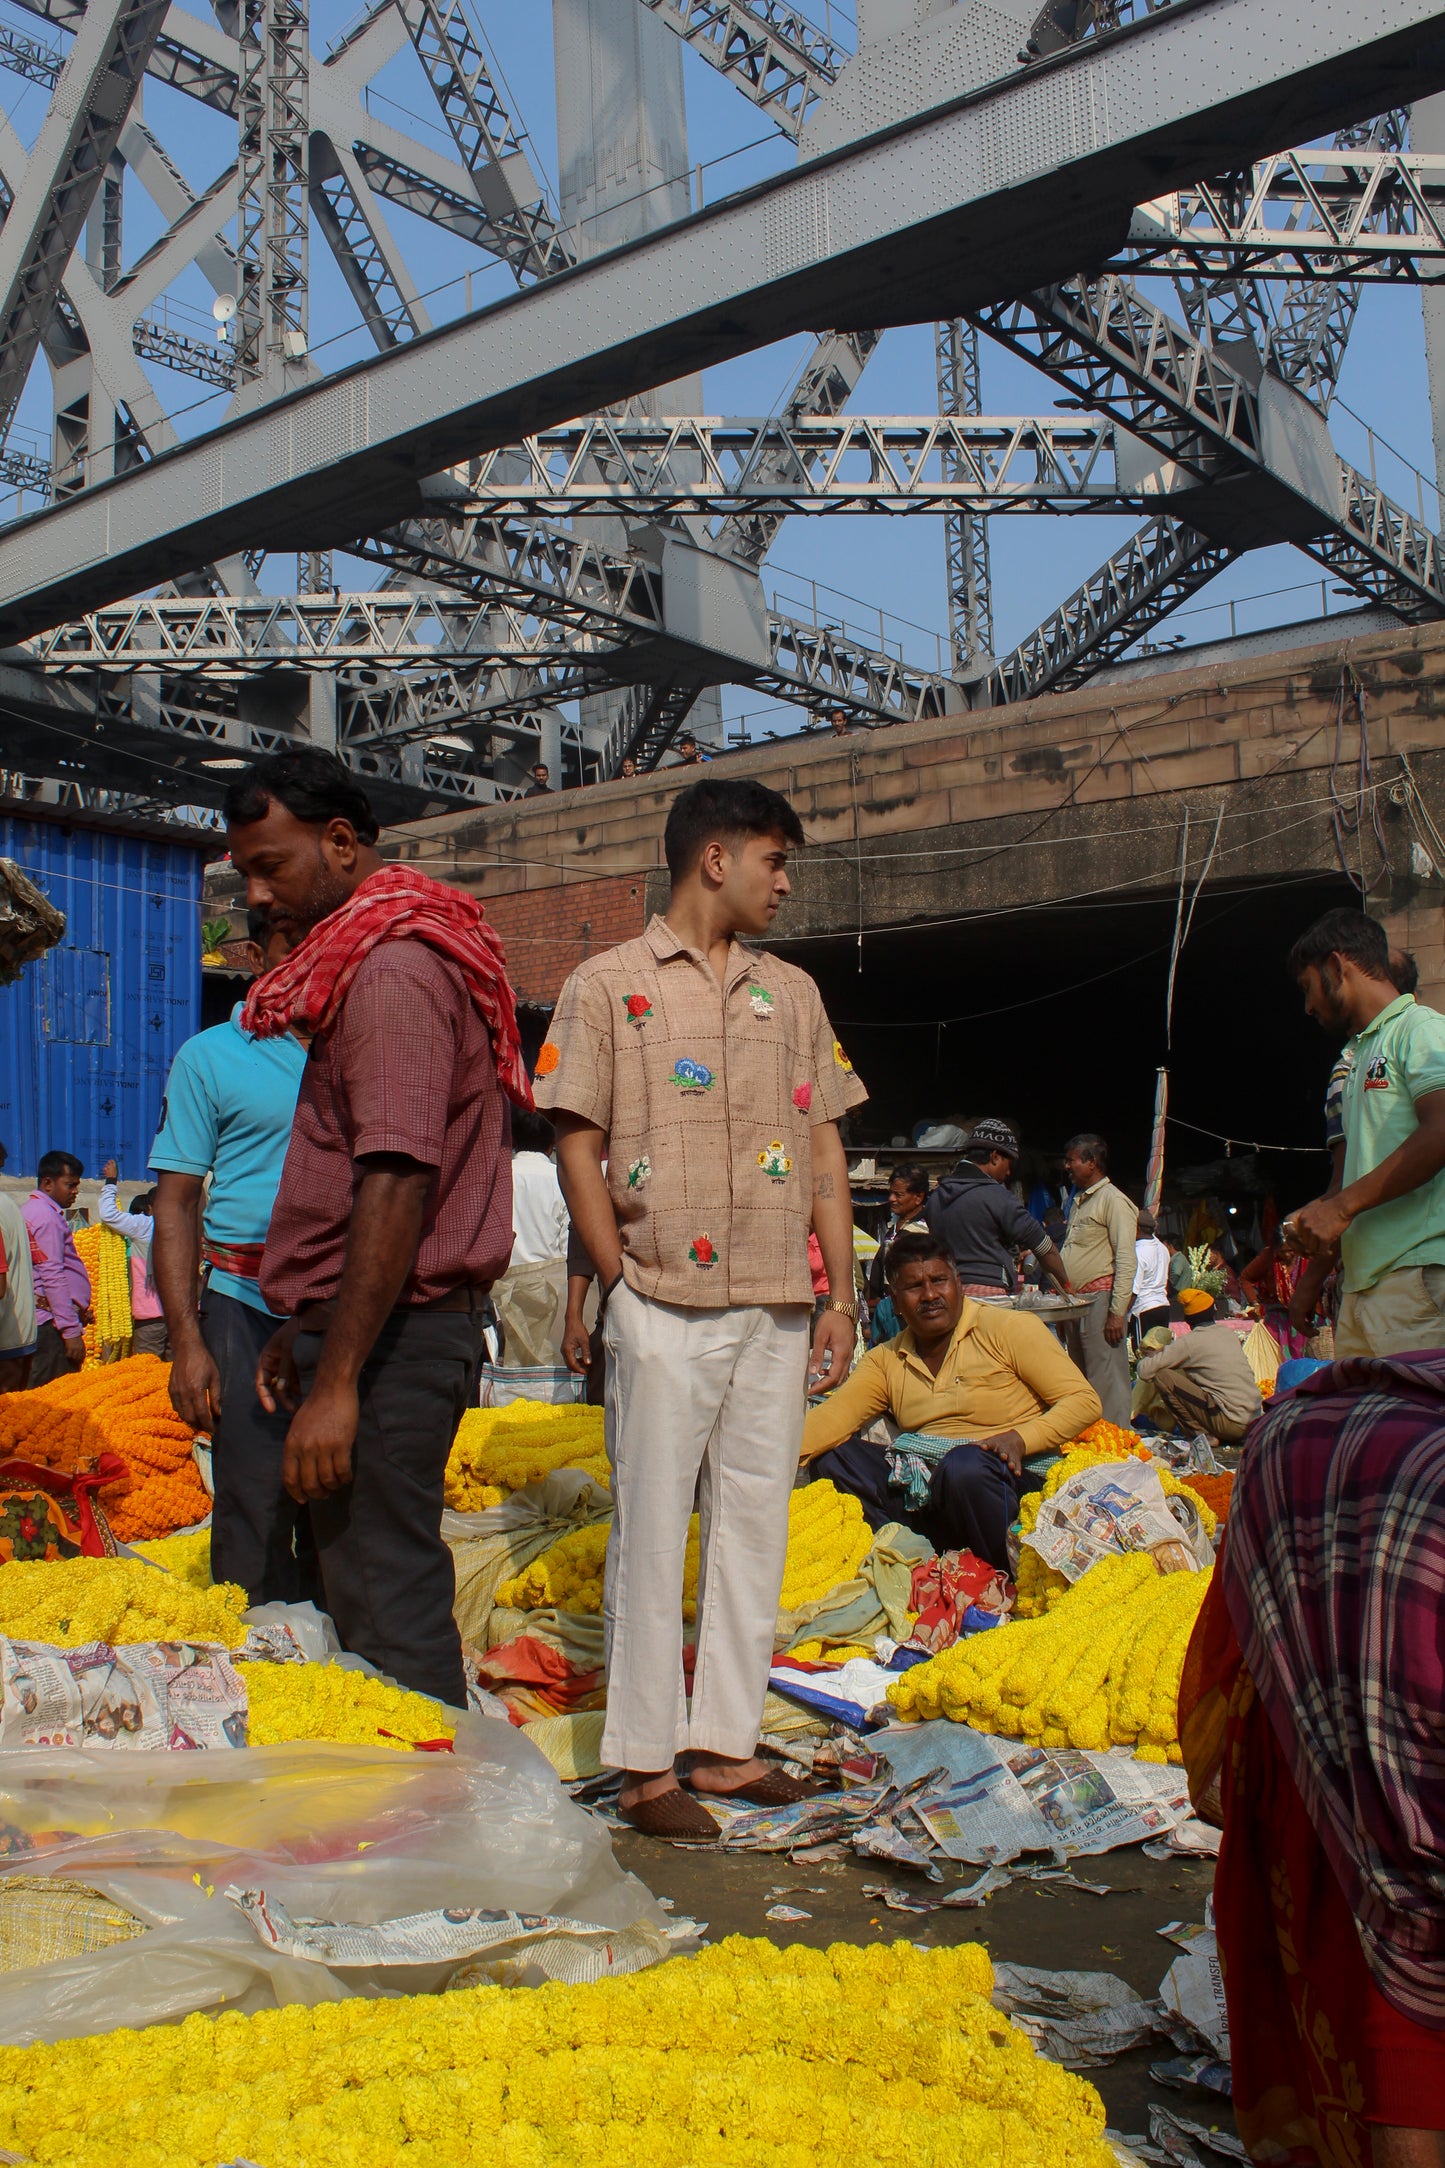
<point>1003,1370</point>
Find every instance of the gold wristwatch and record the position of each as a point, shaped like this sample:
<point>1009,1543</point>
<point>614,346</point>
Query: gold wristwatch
<point>844,1309</point>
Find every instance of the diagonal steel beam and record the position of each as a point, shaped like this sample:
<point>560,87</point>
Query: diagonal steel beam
<point>771,52</point>
<point>102,73</point>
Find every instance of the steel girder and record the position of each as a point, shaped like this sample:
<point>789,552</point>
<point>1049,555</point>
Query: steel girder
<point>52,199</point>
<point>970,604</point>
<point>978,185</point>
<point>1124,357</point>
<point>272,227</point>
<point>774,55</point>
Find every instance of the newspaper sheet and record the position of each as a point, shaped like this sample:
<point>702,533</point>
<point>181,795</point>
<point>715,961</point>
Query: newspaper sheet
<point>569,1949</point>
<point>1079,2019</point>
<point>150,1694</point>
<point>1118,1507</point>
<point>1192,1992</point>
<point>1022,1798</point>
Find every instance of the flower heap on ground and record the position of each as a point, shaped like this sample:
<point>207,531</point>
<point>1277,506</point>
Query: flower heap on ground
<point>742,2056</point>
<point>1039,1585</point>
<point>828,1539</point>
<point>122,1408</point>
<point>1100,1669</point>
<point>74,1601</point>
<point>106,1259</point>
<point>323,1701</point>
<point>1215,1491</point>
<point>497,1450</point>
<point>188,1556</point>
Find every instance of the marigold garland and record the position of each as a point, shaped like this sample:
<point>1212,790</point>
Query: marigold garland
<point>497,1450</point>
<point>188,1556</point>
<point>326,1701</point>
<point>122,1408</point>
<point>1037,1585</point>
<point>1100,1668</point>
<point>106,1259</point>
<point>73,1601</point>
<point>744,2056</point>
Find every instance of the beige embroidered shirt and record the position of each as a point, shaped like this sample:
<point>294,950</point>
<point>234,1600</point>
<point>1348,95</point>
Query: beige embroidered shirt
<point>708,1094</point>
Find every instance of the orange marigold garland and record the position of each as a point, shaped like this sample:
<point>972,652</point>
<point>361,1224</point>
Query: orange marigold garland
<point>122,1408</point>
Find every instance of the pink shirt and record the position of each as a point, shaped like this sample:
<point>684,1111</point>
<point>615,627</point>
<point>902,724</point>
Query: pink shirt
<point>62,1284</point>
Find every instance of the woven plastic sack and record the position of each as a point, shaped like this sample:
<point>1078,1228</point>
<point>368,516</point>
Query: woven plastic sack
<point>43,1918</point>
<point>1261,1352</point>
<point>490,1547</point>
<point>572,1744</point>
<point>501,1384</point>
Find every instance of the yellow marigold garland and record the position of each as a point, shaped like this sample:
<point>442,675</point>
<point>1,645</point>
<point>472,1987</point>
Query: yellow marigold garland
<point>497,1450</point>
<point>188,1557</point>
<point>1100,1668</point>
<point>107,1260</point>
<point>324,1701</point>
<point>73,1601</point>
<point>1038,1586</point>
<point>568,1577</point>
<point>744,2056</point>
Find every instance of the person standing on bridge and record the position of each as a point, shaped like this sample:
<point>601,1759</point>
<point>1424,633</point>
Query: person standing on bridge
<point>394,1214</point>
<point>706,1077</point>
<point>1100,1257</point>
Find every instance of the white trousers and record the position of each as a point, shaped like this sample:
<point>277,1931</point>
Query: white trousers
<point>716,1395</point>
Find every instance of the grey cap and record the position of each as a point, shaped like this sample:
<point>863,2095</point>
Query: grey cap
<point>991,1135</point>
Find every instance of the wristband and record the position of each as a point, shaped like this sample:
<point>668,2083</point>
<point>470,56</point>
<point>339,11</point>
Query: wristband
<point>844,1309</point>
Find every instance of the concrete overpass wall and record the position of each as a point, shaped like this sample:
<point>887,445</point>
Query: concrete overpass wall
<point>1302,761</point>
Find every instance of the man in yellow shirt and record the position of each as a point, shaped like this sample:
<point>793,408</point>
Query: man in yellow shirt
<point>972,1388</point>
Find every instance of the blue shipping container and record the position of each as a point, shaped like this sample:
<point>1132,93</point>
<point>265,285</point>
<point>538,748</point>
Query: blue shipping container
<point>88,1031</point>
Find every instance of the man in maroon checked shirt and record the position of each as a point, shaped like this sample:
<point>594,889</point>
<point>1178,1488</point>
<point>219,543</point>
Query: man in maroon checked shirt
<point>394,1213</point>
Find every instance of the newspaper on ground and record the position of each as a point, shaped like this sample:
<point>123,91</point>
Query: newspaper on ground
<point>1192,1839</point>
<point>1021,1798</point>
<point>152,1695</point>
<point>1165,2126</point>
<point>1114,1507</point>
<point>563,1949</point>
<point>1178,2071</point>
<point>1192,1993</point>
<point>884,1842</point>
<point>1079,2019</point>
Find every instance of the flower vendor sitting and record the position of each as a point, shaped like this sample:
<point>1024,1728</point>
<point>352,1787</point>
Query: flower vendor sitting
<point>971,1388</point>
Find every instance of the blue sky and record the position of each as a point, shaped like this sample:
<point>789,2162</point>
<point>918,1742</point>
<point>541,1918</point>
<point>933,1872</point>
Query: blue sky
<point>895,565</point>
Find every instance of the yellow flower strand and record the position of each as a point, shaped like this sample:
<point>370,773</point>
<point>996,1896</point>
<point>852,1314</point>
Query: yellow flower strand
<point>497,1450</point>
<point>324,1701</point>
<point>69,1602</point>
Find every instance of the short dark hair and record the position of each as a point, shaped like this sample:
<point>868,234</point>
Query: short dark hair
<point>1092,1146</point>
<point>914,1250</point>
<point>312,785</point>
<point>144,1200</point>
<point>915,1176</point>
<point>53,1163</point>
<point>1147,1221</point>
<point>715,811</point>
<point>531,1132</point>
<point>1344,933</point>
<point>1405,975</point>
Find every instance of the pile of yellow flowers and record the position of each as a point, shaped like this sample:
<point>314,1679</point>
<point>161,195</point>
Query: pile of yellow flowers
<point>323,1701</point>
<point>78,1600</point>
<point>1101,1668</point>
<point>497,1450</point>
<point>187,1557</point>
<point>106,1259</point>
<point>828,1540</point>
<point>1039,1585</point>
<point>742,2056</point>
<point>813,1652</point>
<point>568,1577</point>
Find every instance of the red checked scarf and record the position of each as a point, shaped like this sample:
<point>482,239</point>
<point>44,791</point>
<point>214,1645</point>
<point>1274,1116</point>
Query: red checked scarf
<point>397,904</point>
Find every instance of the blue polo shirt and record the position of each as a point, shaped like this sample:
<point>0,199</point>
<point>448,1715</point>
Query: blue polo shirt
<point>227,1113</point>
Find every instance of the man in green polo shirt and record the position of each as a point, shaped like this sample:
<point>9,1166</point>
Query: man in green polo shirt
<point>1388,1220</point>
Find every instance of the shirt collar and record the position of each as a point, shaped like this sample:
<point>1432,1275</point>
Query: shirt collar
<point>908,1346</point>
<point>1103,1178</point>
<point>666,944</point>
<point>1396,1007</point>
<point>38,1196</point>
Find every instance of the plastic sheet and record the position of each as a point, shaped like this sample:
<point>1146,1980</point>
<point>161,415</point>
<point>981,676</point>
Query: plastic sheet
<point>490,1547</point>
<point>352,1834</point>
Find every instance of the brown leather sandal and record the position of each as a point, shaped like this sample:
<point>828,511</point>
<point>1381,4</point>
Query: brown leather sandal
<point>672,1815</point>
<point>771,1790</point>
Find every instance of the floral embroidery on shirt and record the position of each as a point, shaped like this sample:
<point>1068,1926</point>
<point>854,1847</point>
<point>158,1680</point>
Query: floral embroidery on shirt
<point>761,1000</point>
<point>702,1253</point>
<point>775,1162</point>
<point>802,1097</point>
<point>637,1171</point>
<point>547,1059</point>
<point>639,1009</point>
<point>840,1057</point>
<point>692,1076</point>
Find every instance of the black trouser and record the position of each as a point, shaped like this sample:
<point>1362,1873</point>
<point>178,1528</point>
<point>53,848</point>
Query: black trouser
<point>50,1360</point>
<point>388,1575</point>
<point>973,1499</point>
<point>259,1537</point>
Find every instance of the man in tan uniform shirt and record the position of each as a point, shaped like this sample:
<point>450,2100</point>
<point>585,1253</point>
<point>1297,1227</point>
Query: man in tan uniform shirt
<point>1099,1255</point>
<point>707,1077</point>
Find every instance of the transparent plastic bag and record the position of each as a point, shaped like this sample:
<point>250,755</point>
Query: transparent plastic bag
<point>345,1833</point>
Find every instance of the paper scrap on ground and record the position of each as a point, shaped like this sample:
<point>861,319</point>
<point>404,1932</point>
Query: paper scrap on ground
<point>888,1843</point>
<point>572,1950</point>
<point>150,1695</point>
<point>1165,2126</point>
<point>1191,1839</point>
<point>785,1912</point>
<point>1020,1798</point>
<point>1080,2019</point>
<point>1114,1507</point>
<point>1178,2071</point>
<point>897,1900</point>
<point>1192,1990</point>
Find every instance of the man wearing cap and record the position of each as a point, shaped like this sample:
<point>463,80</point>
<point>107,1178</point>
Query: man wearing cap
<point>1202,1380</point>
<point>975,1212</point>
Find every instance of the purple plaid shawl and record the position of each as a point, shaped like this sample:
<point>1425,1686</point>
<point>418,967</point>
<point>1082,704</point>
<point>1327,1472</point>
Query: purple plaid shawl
<point>1334,1576</point>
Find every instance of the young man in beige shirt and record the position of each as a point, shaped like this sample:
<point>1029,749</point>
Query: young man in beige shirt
<point>1099,1256</point>
<point>707,1078</point>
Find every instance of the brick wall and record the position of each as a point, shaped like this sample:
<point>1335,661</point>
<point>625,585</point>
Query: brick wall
<point>549,931</point>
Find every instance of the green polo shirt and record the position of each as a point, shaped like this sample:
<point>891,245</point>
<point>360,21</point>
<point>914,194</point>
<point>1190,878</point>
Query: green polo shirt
<point>1399,1058</point>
